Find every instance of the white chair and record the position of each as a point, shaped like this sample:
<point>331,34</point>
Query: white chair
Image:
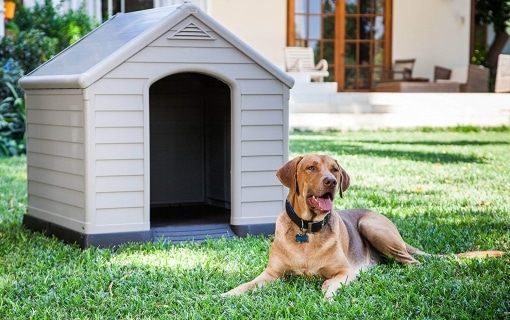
<point>300,60</point>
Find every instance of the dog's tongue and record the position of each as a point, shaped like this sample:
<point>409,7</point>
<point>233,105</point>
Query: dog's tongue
<point>323,204</point>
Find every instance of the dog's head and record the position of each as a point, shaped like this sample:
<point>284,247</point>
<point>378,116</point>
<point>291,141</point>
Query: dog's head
<point>315,178</point>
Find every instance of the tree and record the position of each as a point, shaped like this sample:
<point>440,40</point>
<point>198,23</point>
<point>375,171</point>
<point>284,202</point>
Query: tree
<point>497,14</point>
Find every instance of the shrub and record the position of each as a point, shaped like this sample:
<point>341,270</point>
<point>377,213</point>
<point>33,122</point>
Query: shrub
<point>12,124</point>
<point>34,36</point>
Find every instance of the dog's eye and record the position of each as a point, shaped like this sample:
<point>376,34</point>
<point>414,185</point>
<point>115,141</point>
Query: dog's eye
<point>335,169</point>
<point>311,168</point>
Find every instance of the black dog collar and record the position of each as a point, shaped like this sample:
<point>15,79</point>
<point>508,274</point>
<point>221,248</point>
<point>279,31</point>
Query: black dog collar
<point>305,225</point>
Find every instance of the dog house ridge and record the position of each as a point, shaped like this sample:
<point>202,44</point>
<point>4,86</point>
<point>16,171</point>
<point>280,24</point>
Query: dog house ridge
<point>99,109</point>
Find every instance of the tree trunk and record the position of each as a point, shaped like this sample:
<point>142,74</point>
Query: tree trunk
<point>495,49</point>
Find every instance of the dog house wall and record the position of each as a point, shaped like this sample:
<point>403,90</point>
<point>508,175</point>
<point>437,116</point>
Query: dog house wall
<point>88,125</point>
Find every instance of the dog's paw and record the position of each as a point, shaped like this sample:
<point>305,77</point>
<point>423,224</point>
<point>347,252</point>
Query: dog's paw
<point>231,293</point>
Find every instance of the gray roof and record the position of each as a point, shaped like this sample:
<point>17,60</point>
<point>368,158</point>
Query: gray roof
<point>117,39</point>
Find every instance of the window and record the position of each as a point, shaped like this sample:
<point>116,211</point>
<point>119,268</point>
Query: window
<point>354,36</point>
<point>314,26</point>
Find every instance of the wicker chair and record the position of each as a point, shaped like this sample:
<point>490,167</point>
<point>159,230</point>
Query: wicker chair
<point>473,78</point>
<point>503,74</point>
<point>402,71</point>
<point>477,79</point>
<point>441,73</point>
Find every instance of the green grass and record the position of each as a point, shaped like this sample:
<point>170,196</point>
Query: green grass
<point>446,190</point>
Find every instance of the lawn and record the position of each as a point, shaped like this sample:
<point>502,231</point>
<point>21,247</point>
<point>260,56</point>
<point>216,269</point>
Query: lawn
<point>446,190</point>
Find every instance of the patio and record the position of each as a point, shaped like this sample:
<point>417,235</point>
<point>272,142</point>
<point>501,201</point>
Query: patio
<point>318,106</point>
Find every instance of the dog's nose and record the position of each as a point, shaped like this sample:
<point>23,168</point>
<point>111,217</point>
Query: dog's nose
<point>329,181</point>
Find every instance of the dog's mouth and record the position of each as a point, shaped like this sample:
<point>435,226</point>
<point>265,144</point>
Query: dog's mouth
<point>323,204</point>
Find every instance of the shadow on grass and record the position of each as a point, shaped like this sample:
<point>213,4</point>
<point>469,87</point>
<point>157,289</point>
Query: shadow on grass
<point>440,143</point>
<point>302,146</point>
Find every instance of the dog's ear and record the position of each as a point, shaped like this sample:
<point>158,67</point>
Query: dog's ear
<point>287,174</point>
<point>345,181</point>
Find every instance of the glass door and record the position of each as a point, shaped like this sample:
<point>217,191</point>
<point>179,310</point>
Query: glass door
<point>363,44</point>
<point>312,24</point>
<point>354,36</point>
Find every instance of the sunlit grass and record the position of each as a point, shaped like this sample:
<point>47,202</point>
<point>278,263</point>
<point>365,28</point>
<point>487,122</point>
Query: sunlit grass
<point>446,190</point>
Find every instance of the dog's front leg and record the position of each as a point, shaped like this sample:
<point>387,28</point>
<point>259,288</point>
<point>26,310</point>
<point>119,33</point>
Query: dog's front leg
<point>258,282</point>
<point>330,286</point>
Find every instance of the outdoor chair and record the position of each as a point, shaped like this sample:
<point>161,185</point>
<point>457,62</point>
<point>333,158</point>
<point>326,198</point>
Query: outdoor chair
<point>473,78</point>
<point>441,73</point>
<point>300,60</point>
<point>503,74</point>
<point>402,71</point>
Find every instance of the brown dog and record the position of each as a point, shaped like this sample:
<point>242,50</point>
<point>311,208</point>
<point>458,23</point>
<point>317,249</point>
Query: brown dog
<point>313,239</point>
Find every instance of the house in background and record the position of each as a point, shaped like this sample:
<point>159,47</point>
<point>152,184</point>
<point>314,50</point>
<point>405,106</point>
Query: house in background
<point>356,37</point>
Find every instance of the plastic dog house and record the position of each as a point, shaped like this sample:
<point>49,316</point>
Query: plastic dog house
<point>159,123</point>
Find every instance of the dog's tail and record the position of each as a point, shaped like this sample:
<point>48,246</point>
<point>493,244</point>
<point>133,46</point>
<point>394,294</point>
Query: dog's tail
<point>470,254</point>
<point>481,254</point>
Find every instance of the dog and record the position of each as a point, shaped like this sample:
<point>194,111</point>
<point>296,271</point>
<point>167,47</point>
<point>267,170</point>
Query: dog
<point>313,239</point>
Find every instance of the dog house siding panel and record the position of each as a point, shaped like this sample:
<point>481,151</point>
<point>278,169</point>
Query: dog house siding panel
<point>259,179</point>
<point>261,102</point>
<point>268,133</point>
<point>265,163</point>
<point>125,102</point>
<point>57,194</point>
<point>110,151</point>
<point>119,184</point>
<point>113,168</point>
<point>56,117</point>
<point>262,148</point>
<point>54,163</point>
<point>119,119</point>
<point>121,217</point>
<point>112,200</point>
<point>258,212</point>
<point>262,87</point>
<point>57,148</point>
<point>265,117</point>
<point>190,55</point>
<point>56,133</point>
<point>51,177</point>
<point>55,212</point>
<point>262,194</point>
<point>119,86</point>
<point>68,100</point>
<point>119,135</point>
<point>106,168</point>
<point>151,70</point>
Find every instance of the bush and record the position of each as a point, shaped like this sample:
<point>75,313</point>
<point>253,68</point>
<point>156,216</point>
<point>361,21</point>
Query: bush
<point>12,124</point>
<point>33,36</point>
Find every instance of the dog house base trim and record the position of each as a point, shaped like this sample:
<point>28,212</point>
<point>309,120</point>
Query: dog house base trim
<point>108,240</point>
<point>265,229</point>
<point>103,240</point>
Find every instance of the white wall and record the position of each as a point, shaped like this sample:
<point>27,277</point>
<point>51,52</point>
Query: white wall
<point>434,32</point>
<point>262,24</point>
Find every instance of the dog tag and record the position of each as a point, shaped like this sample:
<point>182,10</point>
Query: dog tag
<point>302,237</point>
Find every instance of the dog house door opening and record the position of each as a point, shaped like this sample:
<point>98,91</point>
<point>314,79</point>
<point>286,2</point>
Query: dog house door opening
<point>190,123</point>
